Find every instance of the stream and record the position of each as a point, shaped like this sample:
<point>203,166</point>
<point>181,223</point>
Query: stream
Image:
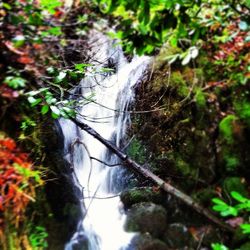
<point>108,92</point>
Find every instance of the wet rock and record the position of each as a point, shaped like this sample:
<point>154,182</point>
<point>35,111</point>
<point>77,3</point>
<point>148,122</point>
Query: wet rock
<point>147,217</point>
<point>146,242</point>
<point>177,236</point>
<point>137,195</point>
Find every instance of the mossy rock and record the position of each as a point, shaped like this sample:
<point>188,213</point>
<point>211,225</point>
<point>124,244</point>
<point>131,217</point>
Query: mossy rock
<point>137,151</point>
<point>177,81</point>
<point>146,242</point>
<point>137,195</point>
<point>146,217</point>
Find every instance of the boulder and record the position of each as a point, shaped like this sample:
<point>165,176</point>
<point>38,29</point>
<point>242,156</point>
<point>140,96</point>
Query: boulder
<point>146,242</point>
<point>147,217</point>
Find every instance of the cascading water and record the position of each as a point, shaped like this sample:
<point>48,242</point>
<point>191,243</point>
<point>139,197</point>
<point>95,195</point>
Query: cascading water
<point>112,91</point>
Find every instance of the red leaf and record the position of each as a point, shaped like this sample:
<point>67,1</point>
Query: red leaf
<point>25,60</point>
<point>9,144</point>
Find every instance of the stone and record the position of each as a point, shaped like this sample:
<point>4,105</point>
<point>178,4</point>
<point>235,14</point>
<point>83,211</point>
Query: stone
<point>146,242</point>
<point>177,236</point>
<point>137,195</point>
<point>146,217</point>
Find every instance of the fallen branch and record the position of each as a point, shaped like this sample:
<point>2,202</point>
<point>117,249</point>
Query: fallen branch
<point>153,178</point>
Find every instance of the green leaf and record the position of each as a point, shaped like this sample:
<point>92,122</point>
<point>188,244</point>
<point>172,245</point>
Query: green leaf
<point>229,211</point>
<point>186,59</point>
<point>218,201</point>
<point>50,6</point>
<point>50,70</point>
<point>219,246</point>
<point>245,228</point>
<point>61,76</point>
<point>237,196</point>
<point>54,31</point>
<point>82,66</point>
<point>18,41</point>
<point>34,101</point>
<point>194,52</point>
<point>223,208</point>
<point>45,109</point>
<point>6,6</point>
<point>56,111</point>
<point>15,82</point>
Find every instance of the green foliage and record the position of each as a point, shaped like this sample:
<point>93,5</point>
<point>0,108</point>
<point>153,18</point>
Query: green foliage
<point>242,207</point>
<point>226,127</point>
<point>137,151</point>
<point>200,98</point>
<point>50,6</point>
<point>27,123</point>
<point>243,110</point>
<point>219,246</point>
<point>224,208</point>
<point>15,82</point>
<point>145,25</point>
<point>38,237</point>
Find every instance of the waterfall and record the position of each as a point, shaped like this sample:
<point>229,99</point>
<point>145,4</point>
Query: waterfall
<point>111,93</point>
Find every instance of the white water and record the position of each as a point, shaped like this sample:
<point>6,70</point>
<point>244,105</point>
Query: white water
<point>103,224</point>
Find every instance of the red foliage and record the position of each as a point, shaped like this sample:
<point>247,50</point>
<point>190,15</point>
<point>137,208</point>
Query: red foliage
<point>16,186</point>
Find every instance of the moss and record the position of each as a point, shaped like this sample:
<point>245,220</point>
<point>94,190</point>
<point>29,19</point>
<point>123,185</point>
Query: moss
<point>226,128</point>
<point>138,195</point>
<point>231,162</point>
<point>184,167</point>
<point>234,184</point>
<point>243,110</point>
<point>200,98</point>
<point>177,81</point>
<point>137,151</point>
<point>164,55</point>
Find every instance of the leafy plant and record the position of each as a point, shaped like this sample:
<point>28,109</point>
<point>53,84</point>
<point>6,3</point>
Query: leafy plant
<point>146,25</point>
<point>242,206</point>
<point>219,246</point>
<point>38,238</point>
<point>224,208</point>
<point>15,82</point>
